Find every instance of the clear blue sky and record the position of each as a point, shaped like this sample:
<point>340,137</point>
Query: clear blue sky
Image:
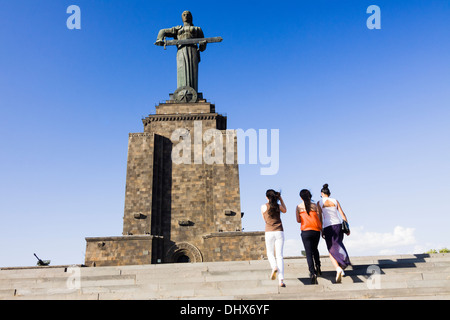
<point>365,111</point>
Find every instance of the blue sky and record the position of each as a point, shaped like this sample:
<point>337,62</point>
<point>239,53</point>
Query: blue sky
<point>365,111</point>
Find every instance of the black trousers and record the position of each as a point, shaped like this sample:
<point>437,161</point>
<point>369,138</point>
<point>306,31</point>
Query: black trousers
<point>311,240</point>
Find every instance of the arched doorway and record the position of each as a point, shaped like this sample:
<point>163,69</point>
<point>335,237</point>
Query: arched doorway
<point>183,252</point>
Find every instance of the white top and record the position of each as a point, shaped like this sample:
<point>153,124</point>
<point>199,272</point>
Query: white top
<point>330,214</point>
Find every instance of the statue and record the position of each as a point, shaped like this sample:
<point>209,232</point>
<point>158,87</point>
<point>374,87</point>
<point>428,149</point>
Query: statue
<point>186,38</point>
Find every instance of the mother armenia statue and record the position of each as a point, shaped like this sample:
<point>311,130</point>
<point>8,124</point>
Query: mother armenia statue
<point>186,38</point>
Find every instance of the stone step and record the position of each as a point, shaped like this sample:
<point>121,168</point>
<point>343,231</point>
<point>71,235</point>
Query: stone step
<point>229,288</point>
<point>394,293</point>
<point>67,282</point>
<point>299,271</point>
<point>428,273</point>
<point>60,296</point>
<point>9,273</point>
<point>257,269</point>
<point>302,278</point>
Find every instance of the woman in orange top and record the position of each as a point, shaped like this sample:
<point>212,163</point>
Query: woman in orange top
<point>311,225</point>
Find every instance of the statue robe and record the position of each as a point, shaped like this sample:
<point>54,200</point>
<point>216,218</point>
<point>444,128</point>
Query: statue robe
<point>188,56</point>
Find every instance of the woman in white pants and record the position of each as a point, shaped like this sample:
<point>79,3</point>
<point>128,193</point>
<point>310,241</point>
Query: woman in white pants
<point>274,235</point>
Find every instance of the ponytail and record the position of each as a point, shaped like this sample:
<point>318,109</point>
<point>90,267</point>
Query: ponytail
<point>306,197</point>
<point>273,197</point>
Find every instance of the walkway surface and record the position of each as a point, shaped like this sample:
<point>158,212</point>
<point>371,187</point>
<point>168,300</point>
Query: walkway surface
<point>422,276</point>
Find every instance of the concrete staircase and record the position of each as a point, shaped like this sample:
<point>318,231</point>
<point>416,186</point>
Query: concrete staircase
<point>424,276</point>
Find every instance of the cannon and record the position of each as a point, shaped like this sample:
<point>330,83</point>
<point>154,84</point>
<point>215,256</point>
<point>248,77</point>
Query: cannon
<point>42,262</point>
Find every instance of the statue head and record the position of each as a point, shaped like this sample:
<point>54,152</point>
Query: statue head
<point>186,16</point>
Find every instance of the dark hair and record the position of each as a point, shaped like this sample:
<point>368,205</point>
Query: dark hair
<point>306,197</point>
<point>325,189</point>
<point>273,197</point>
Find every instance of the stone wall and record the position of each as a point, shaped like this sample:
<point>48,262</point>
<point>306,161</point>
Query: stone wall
<point>139,184</point>
<point>233,246</point>
<point>117,251</point>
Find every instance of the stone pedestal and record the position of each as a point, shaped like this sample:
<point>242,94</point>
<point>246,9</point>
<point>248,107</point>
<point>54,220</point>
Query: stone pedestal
<point>192,208</point>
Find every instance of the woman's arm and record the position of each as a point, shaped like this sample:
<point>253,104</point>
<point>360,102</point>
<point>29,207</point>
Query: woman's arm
<point>282,205</point>
<point>319,212</point>
<point>263,210</point>
<point>344,217</point>
<point>297,214</point>
<point>319,208</point>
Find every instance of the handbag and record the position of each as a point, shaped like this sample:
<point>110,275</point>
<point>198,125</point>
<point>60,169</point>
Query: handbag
<point>345,227</point>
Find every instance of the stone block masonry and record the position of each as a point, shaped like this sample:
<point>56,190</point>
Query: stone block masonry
<point>118,251</point>
<point>178,212</point>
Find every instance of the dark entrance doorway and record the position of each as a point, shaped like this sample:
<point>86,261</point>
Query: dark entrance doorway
<point>183,259</point>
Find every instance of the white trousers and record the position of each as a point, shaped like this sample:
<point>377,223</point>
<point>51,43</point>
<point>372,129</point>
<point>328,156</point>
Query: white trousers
<point>274,248</point>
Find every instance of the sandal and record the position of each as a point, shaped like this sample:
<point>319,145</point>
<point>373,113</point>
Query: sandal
<point>339,274</point>
<point>273,276</point>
